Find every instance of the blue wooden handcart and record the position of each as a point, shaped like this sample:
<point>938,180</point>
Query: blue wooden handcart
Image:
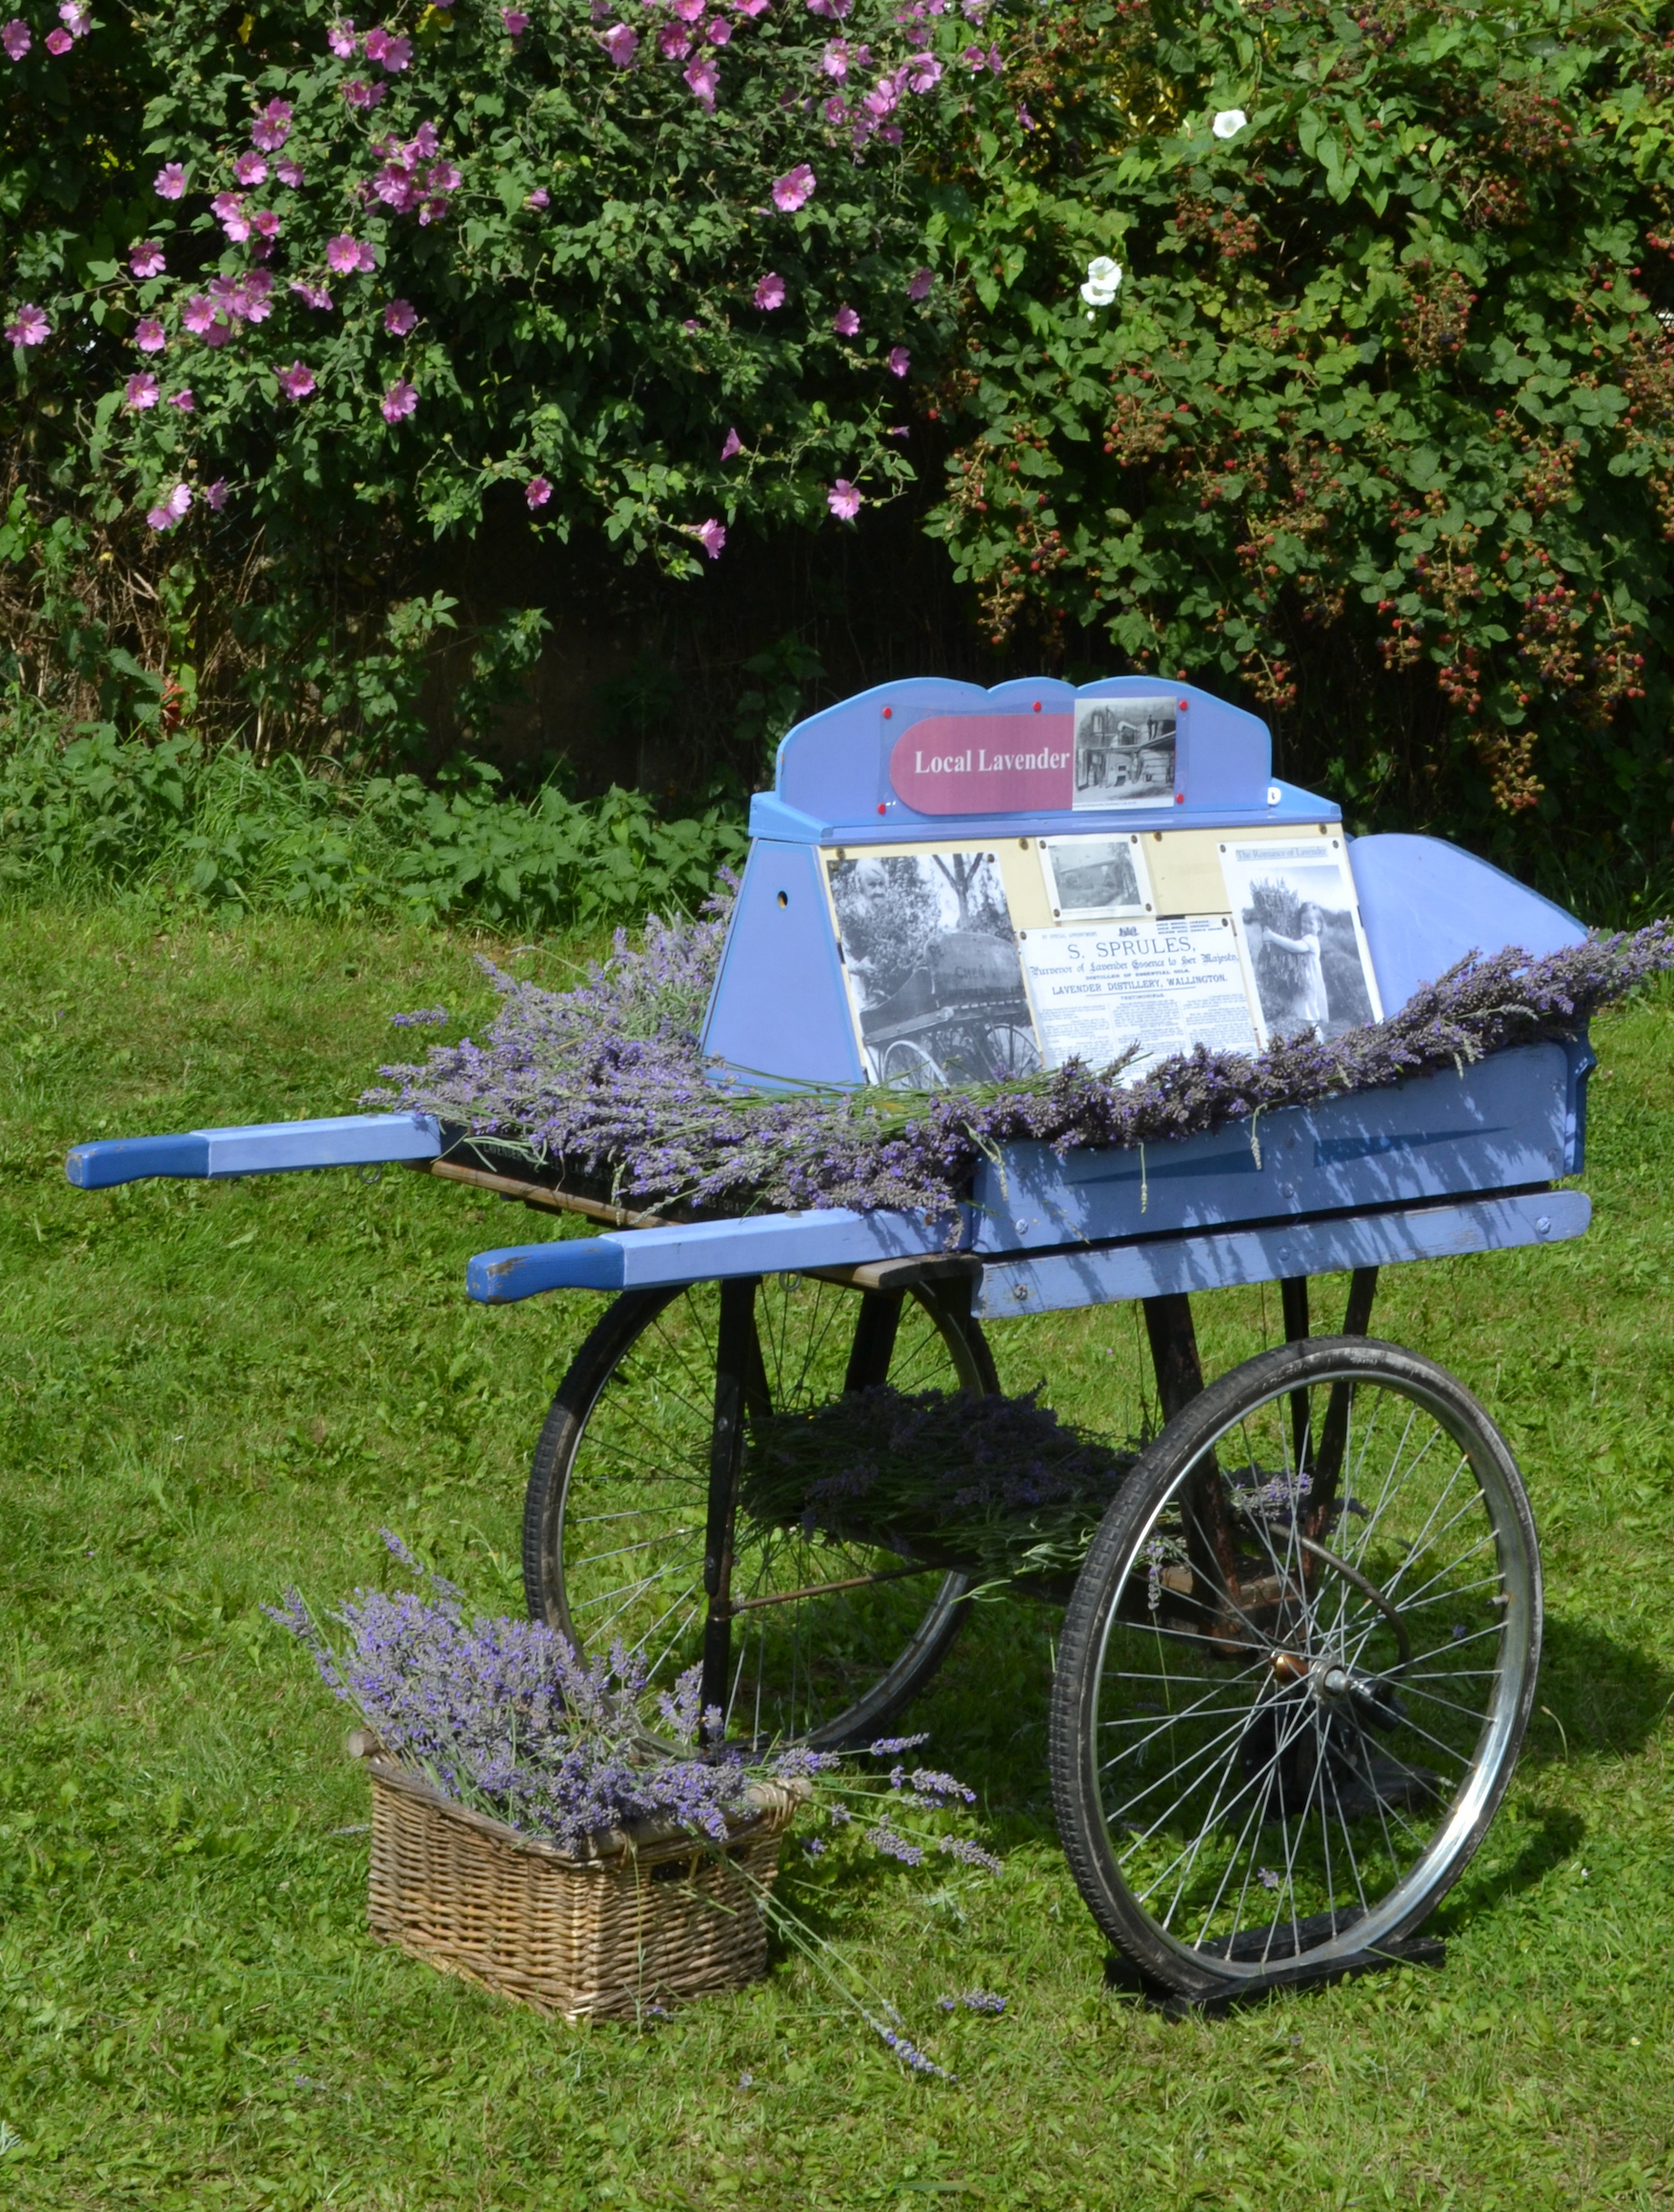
<point>1296,1664</point>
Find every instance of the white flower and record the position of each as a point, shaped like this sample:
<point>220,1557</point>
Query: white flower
<point>1229,123</point>
<point>1103,275</point>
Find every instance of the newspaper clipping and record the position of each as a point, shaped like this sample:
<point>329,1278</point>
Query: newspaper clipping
<point>1299,928</point>
<point>1151,987</point>
<point>1124,752</point>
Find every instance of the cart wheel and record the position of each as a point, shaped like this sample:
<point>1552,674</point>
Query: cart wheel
<point>1008,1050</point>
<point>908,1066</point>
<point>613,1528</point>
<point>1296,1667</point>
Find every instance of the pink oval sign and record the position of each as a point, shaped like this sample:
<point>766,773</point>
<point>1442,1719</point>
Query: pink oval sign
<point>976,763</point>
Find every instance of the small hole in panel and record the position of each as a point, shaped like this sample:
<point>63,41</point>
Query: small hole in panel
<point>783,900</point>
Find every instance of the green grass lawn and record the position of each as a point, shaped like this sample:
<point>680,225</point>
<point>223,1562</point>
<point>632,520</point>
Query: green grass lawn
<point>209,1391</point>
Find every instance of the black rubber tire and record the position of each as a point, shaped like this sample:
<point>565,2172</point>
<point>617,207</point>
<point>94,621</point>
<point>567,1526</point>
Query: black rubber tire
<point>1103,1628</point>
<point>609,1344</point>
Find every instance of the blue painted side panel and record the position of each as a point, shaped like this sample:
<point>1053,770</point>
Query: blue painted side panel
<point>1502,1124</point>
<point>769,1243</point>
<point>265,1148</point>
<point>1425,904</point>
<point>831,783</point>
<point>1145,1270</point>
<point>779,1007</point>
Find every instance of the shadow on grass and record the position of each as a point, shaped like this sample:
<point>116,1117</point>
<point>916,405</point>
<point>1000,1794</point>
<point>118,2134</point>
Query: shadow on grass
<point>1596,1696</point>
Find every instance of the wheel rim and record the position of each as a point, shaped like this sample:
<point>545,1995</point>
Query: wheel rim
<point>630,1539</point>
<point>1303,1767</point>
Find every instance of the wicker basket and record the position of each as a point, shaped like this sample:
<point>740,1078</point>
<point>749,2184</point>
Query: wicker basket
<point>647,1919</point>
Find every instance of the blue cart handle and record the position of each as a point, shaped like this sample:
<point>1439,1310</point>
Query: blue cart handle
<point>265,1148</point>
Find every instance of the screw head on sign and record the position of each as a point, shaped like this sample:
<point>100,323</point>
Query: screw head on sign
<point>887,712</point>
<point>1037,706</point>
<point>1183,704</point>
<point>884,806</point>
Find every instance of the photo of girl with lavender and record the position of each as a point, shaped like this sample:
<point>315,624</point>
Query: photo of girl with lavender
<point>1298,928</point>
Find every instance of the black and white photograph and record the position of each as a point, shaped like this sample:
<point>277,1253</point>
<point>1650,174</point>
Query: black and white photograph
<point>1087,877</point>
<point>1299,932</point>
<point>1124,752</point>
<point>930,959</point>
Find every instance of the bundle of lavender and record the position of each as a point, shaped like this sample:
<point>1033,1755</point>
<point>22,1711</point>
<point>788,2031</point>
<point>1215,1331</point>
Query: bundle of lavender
<point>994,1487</point>
<point>609,1081</point>
<point>505,1717</point>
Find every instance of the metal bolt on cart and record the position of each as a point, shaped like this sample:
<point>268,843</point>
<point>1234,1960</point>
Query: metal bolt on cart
<point>1297,1660</point>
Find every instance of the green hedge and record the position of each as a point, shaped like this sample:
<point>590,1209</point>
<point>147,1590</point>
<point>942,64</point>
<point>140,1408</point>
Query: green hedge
<point>167,822</point>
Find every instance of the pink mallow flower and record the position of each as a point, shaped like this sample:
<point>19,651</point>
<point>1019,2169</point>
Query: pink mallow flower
<point>794,189</point>
<point>711,536</point>
<point>621,45</point>
<point>898,361</point>
<point>516,23</point>
<point>342,41</point>
<point>250,168</point>
<point>197,315</point>
<point>28,327</point>
<point>360,94</point>
<point>140,391</point>
<point>704,76</point>
<point>400,400</point>
<point>919,283</point>
<point>169,181</point>
<point>215,494</point>
<point>538,492</point>
<point>539,199</point>
<point>399,317</point>
<point>843,499</point>
<point>150,335</point>
<point>392,54</point>
<point>719,31</point>
<point>845,322</point>
<point>344,255</point>
<point>288,173</point>
<point>731,445</point>
<point>168,512</point>
<point>228,210</point>
<point>272,126</point>
<point>146,260</point>
<point>59,42</point>
<point>296,383</point>
<point>76,17</point>
<point>311,294</point>
<point>183,399</point>
<point>770,293</point>
<point>674,42</point>
<point>266,223</point>
<point>15,38</point>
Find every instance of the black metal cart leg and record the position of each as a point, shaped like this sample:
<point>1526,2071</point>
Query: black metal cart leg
<point>1179,1379</point>
<point>737,1359</point>
<point>1174,1350</point>
<point>1363,1288</point>
<point>1293,1297</point>
<point>875,1340</point>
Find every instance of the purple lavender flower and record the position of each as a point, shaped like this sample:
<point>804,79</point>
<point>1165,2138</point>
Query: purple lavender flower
<point>610,1079</point>
<point>972,2000</point>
